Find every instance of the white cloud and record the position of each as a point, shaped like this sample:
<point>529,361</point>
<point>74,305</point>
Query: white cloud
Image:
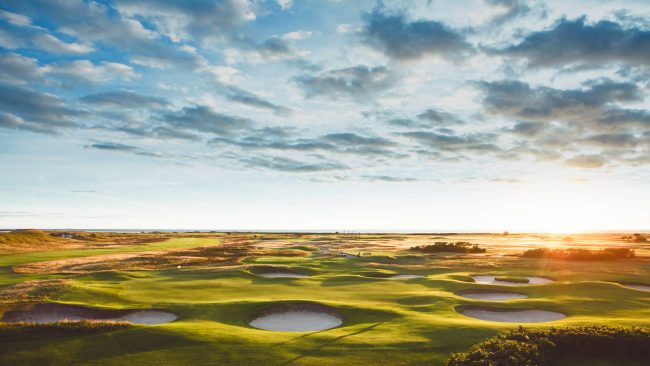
<point>49,43</point>
<point>285,4</point>
<point>297,35</point>
<point>84,70</point>
<point>224,74</point>
<point>344,28</point>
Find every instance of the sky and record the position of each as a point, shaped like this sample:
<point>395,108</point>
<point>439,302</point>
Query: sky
<point>471,115</point>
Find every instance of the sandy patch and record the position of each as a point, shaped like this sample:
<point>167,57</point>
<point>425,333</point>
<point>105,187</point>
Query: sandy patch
<point>637,286</point>
<point>52,313</point>
<point>493,281</point>
<point>297,317</point>
<point>511,315</point>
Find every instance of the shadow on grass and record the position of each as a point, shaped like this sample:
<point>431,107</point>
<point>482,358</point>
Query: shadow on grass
<point>329,342</point>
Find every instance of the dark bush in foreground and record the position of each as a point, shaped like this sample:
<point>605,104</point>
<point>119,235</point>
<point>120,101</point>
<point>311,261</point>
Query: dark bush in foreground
<point>443,246</point>
<point>580,254</point>
<point>542,347</point>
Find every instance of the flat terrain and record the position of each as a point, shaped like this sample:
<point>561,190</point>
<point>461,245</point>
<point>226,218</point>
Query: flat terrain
<point>218,289</point>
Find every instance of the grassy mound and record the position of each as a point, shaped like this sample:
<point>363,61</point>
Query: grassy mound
<point>540,347</point>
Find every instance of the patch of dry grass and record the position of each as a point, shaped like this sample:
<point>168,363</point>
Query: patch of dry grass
<point>31,291</point>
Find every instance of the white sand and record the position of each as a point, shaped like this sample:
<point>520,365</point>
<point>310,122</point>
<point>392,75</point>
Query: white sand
<point>282,274</point>
<point>493,296</point>
<point>514,316</point>
<point>638,287</point>
<point>406,276</point>
<point>296,321</point>
<point>148,317</point>
<point>493,281</point>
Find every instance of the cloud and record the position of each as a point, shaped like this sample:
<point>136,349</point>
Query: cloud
<point>73,72</point>
<point>512,9</point>
<point>274,49</point>
<point>28,109</point>
<point>114,146</point>
<point>387,179</point>
<point>342,142</point>
<point>528,129</point>
<point>439,118</point>
<point>285,4</point>
<point>589,104</point>
<point>10,121</point>
<point>586,161</point>
<point>242,96</point>
<point>402,40</point>
<point>98,23</point>
<point>288,165</point>
<point>19,32</point>
<point>577,42</point>
<point>18,69</point>
<point>478,142</point>
<point>358,82</point>
<point>203,119</point>
<point>619,140</point>
<point>203,20</point>
<point>124,99</point>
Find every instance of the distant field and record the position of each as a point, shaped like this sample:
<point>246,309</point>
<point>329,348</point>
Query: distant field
<point>219,287</point>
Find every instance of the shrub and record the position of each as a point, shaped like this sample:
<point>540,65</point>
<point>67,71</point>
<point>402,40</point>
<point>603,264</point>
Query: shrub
<point>580,254</point>
<point>443,246</point>
<point>636,238</point>
<point>542,347</point>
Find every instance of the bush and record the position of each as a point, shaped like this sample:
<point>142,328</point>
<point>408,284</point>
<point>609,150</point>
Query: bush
<point>635,238</point>
<point>443,246</point>
<point>580,254</point>
<point>542,347</point>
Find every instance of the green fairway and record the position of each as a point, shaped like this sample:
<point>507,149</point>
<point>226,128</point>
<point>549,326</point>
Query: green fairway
<point>387,321</point>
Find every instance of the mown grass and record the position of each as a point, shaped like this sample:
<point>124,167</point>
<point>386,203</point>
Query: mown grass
<point>398,322</point>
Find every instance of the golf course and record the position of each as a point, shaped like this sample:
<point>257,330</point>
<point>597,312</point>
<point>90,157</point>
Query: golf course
<point>304,298</point>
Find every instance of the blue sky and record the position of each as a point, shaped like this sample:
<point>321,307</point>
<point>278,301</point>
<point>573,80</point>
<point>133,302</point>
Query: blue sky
<point>333,115</point>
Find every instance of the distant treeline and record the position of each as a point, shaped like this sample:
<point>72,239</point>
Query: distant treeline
<point>443,246</point>
<point>580,254</point>
<point>635,238</point>
<point>524,347</point>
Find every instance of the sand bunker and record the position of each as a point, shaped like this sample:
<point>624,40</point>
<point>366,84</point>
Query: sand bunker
<point>490,295</point>
<point>637,286</point>
<point>493,281</point>
<point>297,317</point>
<point>406,276</point>
<point>511,315</point>
<point>52,313</point>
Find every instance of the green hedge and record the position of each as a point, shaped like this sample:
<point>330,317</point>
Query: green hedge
<point>542,347</point>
